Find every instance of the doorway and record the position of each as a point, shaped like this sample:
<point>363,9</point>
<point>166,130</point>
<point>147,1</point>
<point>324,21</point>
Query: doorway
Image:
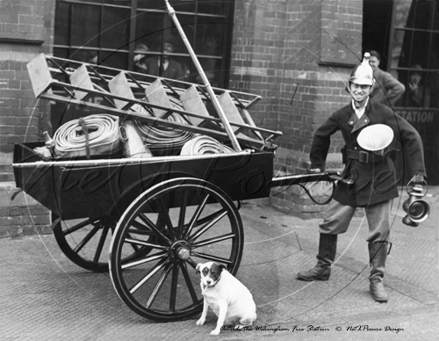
<point>377,19</point>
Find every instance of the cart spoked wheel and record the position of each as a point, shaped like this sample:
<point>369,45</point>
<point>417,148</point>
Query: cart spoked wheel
<point>193,222</point>
<point>86,241</point>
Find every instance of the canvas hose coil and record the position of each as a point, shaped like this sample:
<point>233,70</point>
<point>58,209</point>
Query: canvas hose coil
<point>157,136</point>
<point>101,136</point>
<point>202,145</point>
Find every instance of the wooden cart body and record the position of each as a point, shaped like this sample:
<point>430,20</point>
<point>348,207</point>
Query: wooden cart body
<point>84,189</point>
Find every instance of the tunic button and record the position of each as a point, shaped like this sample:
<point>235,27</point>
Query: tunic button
<point>351,122</point>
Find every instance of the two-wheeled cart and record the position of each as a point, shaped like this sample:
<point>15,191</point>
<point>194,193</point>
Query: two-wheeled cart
<point>158,214</point>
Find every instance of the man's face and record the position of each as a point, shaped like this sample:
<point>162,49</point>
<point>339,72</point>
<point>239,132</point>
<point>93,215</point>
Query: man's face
<point>168,47</point>
<point>374,62</point>
<point>415,78</point>
<point>359,92</point>
<point>139,52</point>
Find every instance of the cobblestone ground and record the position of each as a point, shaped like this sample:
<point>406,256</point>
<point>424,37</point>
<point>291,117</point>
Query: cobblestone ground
<point>46,297</point>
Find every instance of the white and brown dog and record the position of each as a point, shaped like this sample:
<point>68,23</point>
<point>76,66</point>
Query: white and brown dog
<point>230,300</point>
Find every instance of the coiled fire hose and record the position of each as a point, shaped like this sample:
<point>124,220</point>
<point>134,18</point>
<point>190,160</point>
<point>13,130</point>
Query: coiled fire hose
<point>91,135</point>
<point>159,137</point>
<point>202,144</point>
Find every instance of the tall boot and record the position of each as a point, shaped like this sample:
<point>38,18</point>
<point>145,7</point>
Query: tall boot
<point>325,257</point>
<point>378,256</point>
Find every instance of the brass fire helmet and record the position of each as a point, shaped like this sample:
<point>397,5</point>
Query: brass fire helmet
<point>362,74</point>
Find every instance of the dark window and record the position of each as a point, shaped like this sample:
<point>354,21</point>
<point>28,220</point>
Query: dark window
<point>113,32</point>
<point>414,51</point>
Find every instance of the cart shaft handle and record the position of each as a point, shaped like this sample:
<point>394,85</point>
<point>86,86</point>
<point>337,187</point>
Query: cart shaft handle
<point>289,180</point>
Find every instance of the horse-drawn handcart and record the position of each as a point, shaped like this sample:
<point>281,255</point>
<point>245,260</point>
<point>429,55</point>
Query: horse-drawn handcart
<point>163,194</point>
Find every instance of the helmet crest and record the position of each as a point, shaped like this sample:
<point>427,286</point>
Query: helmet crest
<point>362,74</point>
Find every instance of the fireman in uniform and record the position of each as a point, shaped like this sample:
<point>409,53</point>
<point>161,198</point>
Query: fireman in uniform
<point>368,179</point>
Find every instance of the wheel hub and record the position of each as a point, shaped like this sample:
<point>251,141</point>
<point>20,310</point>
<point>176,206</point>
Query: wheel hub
<point>183,253</point>
<point>180,250</point>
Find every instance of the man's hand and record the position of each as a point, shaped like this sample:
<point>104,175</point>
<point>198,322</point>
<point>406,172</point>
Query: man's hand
<point>417,179</point>
<point>315,170</point>
<point>414,87</point>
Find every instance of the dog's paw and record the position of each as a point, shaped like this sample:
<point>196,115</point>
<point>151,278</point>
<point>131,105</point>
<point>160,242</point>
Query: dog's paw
<point>200,321</point>
<point>215,332</point>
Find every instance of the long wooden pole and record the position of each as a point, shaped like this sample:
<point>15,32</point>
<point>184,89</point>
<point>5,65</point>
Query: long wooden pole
<point>119,162</point>
<point>206,83</point>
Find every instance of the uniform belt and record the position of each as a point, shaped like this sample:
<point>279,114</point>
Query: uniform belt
<point>365,156</point>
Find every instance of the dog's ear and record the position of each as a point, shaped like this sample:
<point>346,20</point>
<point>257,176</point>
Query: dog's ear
<point>220,267</point>
<point>197,269</point>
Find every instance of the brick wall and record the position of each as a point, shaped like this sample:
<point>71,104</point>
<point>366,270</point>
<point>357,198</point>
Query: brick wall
<point>22,216</point>
<point>25,31</point>
<point>281,46</point>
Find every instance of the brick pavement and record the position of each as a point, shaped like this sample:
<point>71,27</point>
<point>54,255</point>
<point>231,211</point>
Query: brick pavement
<point>46,297</point>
